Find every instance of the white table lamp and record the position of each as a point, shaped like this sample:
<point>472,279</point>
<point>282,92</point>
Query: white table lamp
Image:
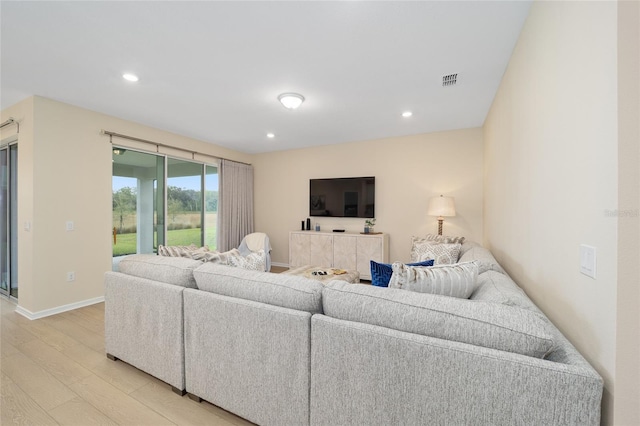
<point>441,207</point>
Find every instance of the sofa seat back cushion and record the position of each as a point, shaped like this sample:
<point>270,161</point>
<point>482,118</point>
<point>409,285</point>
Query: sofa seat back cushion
<point>171,270</point>
<point>484,324</point>
<point>484,259</point>
<point>458,280</point>
<point>499,288</point>
<point>287,291</point>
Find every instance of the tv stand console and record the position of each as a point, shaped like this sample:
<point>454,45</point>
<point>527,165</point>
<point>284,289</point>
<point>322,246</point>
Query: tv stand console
<point>338,250</point>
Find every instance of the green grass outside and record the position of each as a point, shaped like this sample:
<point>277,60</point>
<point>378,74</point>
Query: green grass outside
<point>126,243</point>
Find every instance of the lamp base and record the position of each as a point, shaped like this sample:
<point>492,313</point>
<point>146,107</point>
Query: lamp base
<point>440,220</point>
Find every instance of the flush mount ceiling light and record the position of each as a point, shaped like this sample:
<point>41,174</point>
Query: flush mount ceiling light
<point>291,100</point>
<point>271,135</point>
<point>130,77</point>
<point>407,114</point>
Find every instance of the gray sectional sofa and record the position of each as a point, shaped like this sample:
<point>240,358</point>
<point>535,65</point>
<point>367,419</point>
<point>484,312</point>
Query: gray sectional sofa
<point>286,350</point>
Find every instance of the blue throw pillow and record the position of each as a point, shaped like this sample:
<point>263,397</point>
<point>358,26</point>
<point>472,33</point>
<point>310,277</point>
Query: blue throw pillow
<point>381,272</point>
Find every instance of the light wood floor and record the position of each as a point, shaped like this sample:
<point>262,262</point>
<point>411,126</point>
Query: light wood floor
<point>54,371</point>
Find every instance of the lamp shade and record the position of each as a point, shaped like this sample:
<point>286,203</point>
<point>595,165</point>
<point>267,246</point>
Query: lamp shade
<point>441,206</point>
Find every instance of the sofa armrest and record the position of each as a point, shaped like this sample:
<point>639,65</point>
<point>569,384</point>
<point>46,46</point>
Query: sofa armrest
<point>366,374</point>
<point>144,325</point>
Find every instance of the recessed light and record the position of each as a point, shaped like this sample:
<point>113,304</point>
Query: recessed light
<point>407,114</point>
<point>130,77</point>
<point>271,135</point>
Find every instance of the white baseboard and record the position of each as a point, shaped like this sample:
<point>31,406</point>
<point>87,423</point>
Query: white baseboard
<point>64,308</point>
<point>282,265</point>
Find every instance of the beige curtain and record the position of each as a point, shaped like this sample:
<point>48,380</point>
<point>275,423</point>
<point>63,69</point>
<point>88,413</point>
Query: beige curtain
<point>236,204</point>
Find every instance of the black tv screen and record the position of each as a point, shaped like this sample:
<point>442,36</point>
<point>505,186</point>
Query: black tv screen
<point>343,197</point>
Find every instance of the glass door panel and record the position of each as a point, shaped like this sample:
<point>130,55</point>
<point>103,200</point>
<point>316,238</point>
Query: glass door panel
<point>138,202</point>
<point>9,221</point>
<point>4,221</point>
<point>211,207</point>
<point>184,203</point>
<point>13,220</point>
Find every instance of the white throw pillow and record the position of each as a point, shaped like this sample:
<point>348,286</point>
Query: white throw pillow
<point>254,261</point>
<point>459,280</point>
<point>442,253</point>
<point>215,256</point>
<point>180,251</point>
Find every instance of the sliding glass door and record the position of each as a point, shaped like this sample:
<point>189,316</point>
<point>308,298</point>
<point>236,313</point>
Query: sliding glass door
<point>141,203</point>
<point>9,221</point>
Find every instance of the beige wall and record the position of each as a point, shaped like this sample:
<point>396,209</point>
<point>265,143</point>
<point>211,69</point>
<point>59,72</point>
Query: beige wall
<point>627,389</point>
<point>551,172</point>
<point>408,171</point>
<point>65,174</point>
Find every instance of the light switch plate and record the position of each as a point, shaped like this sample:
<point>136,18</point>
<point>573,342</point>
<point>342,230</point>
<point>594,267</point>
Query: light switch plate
<point>70,225</point>
<point>588,260</point>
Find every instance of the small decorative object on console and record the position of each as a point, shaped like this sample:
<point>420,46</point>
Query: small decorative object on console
<point>368,225</point>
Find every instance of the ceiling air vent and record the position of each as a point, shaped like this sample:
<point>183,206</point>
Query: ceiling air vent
<point>449,80</point>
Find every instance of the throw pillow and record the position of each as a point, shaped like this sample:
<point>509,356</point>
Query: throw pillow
<point>214,256</point>
<point>180,251</point>
<point>254,261</point>
<point>447,239</point>
<point>457,280</point>
<point>381,272</point>
<point>442,253</point>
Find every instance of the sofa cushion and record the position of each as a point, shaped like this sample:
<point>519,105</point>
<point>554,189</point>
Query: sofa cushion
<point>484,324</point>
<point>442,253</point>
<point>468,245</point>
<point>457,280</point>
<point>499,288</point>
<point>484,259</point>
<point>287,291</point>
<point>381,272</point>
<point>170,270</point>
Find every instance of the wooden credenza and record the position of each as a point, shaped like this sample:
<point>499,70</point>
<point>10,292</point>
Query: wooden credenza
<point>338,250</point>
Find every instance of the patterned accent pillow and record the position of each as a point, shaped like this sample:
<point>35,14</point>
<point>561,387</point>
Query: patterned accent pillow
<point>433,238</point>
<point>180,251</point>
<point>443,254</point>
<point>255,261</point>
<point>214,256</point>
<point>459,280</point>
<point>381,272</point>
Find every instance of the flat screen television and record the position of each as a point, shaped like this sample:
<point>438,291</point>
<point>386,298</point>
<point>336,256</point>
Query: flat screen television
<point>343,197</point>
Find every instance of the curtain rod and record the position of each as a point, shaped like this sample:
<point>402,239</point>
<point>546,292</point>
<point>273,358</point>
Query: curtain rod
<point>158,144</point>
<point>9,122</point>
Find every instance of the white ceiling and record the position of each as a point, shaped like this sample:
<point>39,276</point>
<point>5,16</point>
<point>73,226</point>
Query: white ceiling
<point>213,70</point>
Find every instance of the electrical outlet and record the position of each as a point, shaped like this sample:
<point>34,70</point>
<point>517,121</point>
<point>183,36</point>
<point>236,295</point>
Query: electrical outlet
<point>70,225</point>
<point>71,276</point>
